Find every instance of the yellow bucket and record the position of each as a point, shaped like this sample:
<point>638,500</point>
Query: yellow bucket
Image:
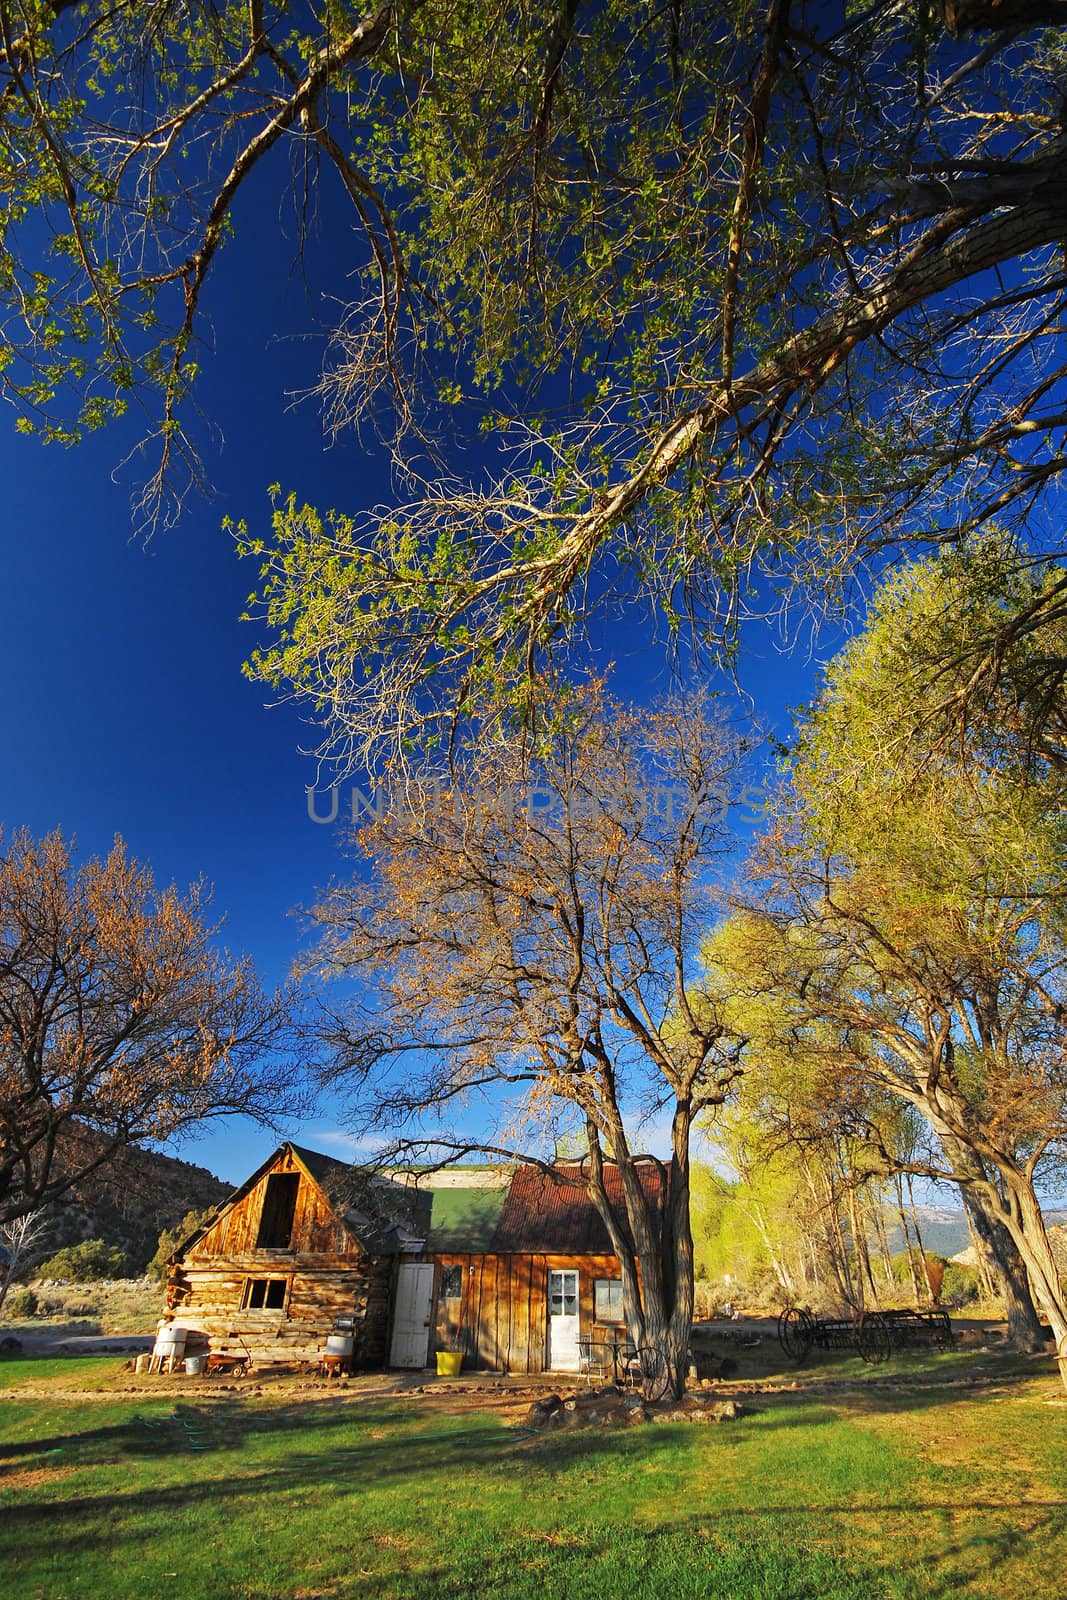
<point>449,1363</point>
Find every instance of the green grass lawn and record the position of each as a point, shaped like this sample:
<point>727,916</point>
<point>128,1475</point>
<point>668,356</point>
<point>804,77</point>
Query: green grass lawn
<point>865,1492</point>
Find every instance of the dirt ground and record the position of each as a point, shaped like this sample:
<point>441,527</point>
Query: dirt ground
<point>759,1373</point>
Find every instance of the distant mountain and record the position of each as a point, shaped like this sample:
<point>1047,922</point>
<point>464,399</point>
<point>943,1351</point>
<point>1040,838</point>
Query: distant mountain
<point>944,1229</point>
<point>131,1200</point>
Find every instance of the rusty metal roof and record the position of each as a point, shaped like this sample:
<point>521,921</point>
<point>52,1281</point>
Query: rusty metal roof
<point>550,1212</point>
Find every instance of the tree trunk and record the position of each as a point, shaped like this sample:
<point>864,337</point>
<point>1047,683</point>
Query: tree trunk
<point>1023,1220</point>
<point>1005,1266</point>
<point>823,1208</point>
<point>859,1275</point>
<point>839,1250</point>
<point>679,1266</point>
<point>883,1247</point>
<point>812,1275</point>
<point>658,1300</point>
<point>1012,1200</point>
<point>997,1251</point>
<point>781,1270</point>
<point>632,1302</point>
<point>982,1260</point>
<point>926,1292</point>
<point>859,1243</point>
<point>903,1220</point>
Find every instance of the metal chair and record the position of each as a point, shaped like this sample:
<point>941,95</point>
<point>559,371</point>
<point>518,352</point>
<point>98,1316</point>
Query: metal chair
<point>594,1360</point>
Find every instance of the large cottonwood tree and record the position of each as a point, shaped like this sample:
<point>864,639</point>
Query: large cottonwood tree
<point>910,935</point>
<point>803,276</point>
<point>525,953</point>
<point>731,288</point>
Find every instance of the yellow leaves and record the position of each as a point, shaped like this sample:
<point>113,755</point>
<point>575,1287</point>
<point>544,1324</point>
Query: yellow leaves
<point>119,1008</point>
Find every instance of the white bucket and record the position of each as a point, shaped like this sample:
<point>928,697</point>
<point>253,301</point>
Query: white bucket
<point>195,1366</point>
<point>339,1344</point>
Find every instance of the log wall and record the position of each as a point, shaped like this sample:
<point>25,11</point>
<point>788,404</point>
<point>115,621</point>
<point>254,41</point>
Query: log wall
<point>327,1275</point>
<point>207,1297</point>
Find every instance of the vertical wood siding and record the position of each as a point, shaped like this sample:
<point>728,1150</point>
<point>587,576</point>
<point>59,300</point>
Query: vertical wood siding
<point>316,1228</point>
<point>503,1311</point>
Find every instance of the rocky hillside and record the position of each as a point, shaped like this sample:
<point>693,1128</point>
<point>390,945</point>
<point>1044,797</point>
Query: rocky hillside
<point>130,1201</point>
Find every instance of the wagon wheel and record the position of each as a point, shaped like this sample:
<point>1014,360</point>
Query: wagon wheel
<point>650,1372</point>
<point>874,1342</point>
<point>796,1332</point>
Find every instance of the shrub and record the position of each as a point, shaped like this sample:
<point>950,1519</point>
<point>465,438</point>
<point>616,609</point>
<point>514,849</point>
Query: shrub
<point>961,1286</point>
<point>23,1303</point>
<point>85,1262</point>
<point>706,1299</point>
<point>171,1238</point>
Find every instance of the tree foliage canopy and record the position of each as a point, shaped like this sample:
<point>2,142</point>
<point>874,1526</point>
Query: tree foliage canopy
<point>730,289</point>
<point>910,935</point>
<point>120,1021</point>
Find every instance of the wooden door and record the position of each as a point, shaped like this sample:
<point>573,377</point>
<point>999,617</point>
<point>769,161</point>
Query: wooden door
<point>411,1318</point>
<point>562,1322</point>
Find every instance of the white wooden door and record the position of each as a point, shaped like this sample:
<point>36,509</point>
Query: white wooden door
<point>411,1318</point>
<point>563,1321</point>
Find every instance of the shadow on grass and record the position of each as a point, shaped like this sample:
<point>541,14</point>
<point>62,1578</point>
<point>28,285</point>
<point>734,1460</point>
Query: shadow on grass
<point>750,1552</point>
<point>222,1425</point>
<point>334,1453</point>
<point>184,1429</point>
<point>794,1548</point>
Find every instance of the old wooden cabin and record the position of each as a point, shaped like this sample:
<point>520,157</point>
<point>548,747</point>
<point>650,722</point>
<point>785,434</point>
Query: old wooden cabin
<point>511,1267</point>
<point>306,1246</point>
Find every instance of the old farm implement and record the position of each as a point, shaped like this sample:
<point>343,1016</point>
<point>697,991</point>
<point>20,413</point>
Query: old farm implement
<point>874,1335</point>
<point>228,1362</point>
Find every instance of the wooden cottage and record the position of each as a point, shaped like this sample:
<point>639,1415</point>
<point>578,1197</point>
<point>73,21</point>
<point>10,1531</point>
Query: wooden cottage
<point>516,1276</point>
<point>512,1267</point>
<point>307,1246</point>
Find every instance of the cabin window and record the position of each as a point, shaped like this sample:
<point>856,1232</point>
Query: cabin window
<point>265,1294</point>
<point>607,1300</point>
<point>451,1283</point>
<point>563,1294</point>
<point>279,1209</point>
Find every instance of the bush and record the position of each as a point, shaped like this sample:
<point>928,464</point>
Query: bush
<point>171,1238</point>
<point>85,1262</point>
<point>961,1286</point>
<point>22,1304</point>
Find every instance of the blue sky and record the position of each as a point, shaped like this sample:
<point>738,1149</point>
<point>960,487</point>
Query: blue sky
<point>123,704</point>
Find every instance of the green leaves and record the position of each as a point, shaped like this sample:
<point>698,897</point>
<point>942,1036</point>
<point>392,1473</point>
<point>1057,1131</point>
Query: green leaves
<point>920,759</point>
